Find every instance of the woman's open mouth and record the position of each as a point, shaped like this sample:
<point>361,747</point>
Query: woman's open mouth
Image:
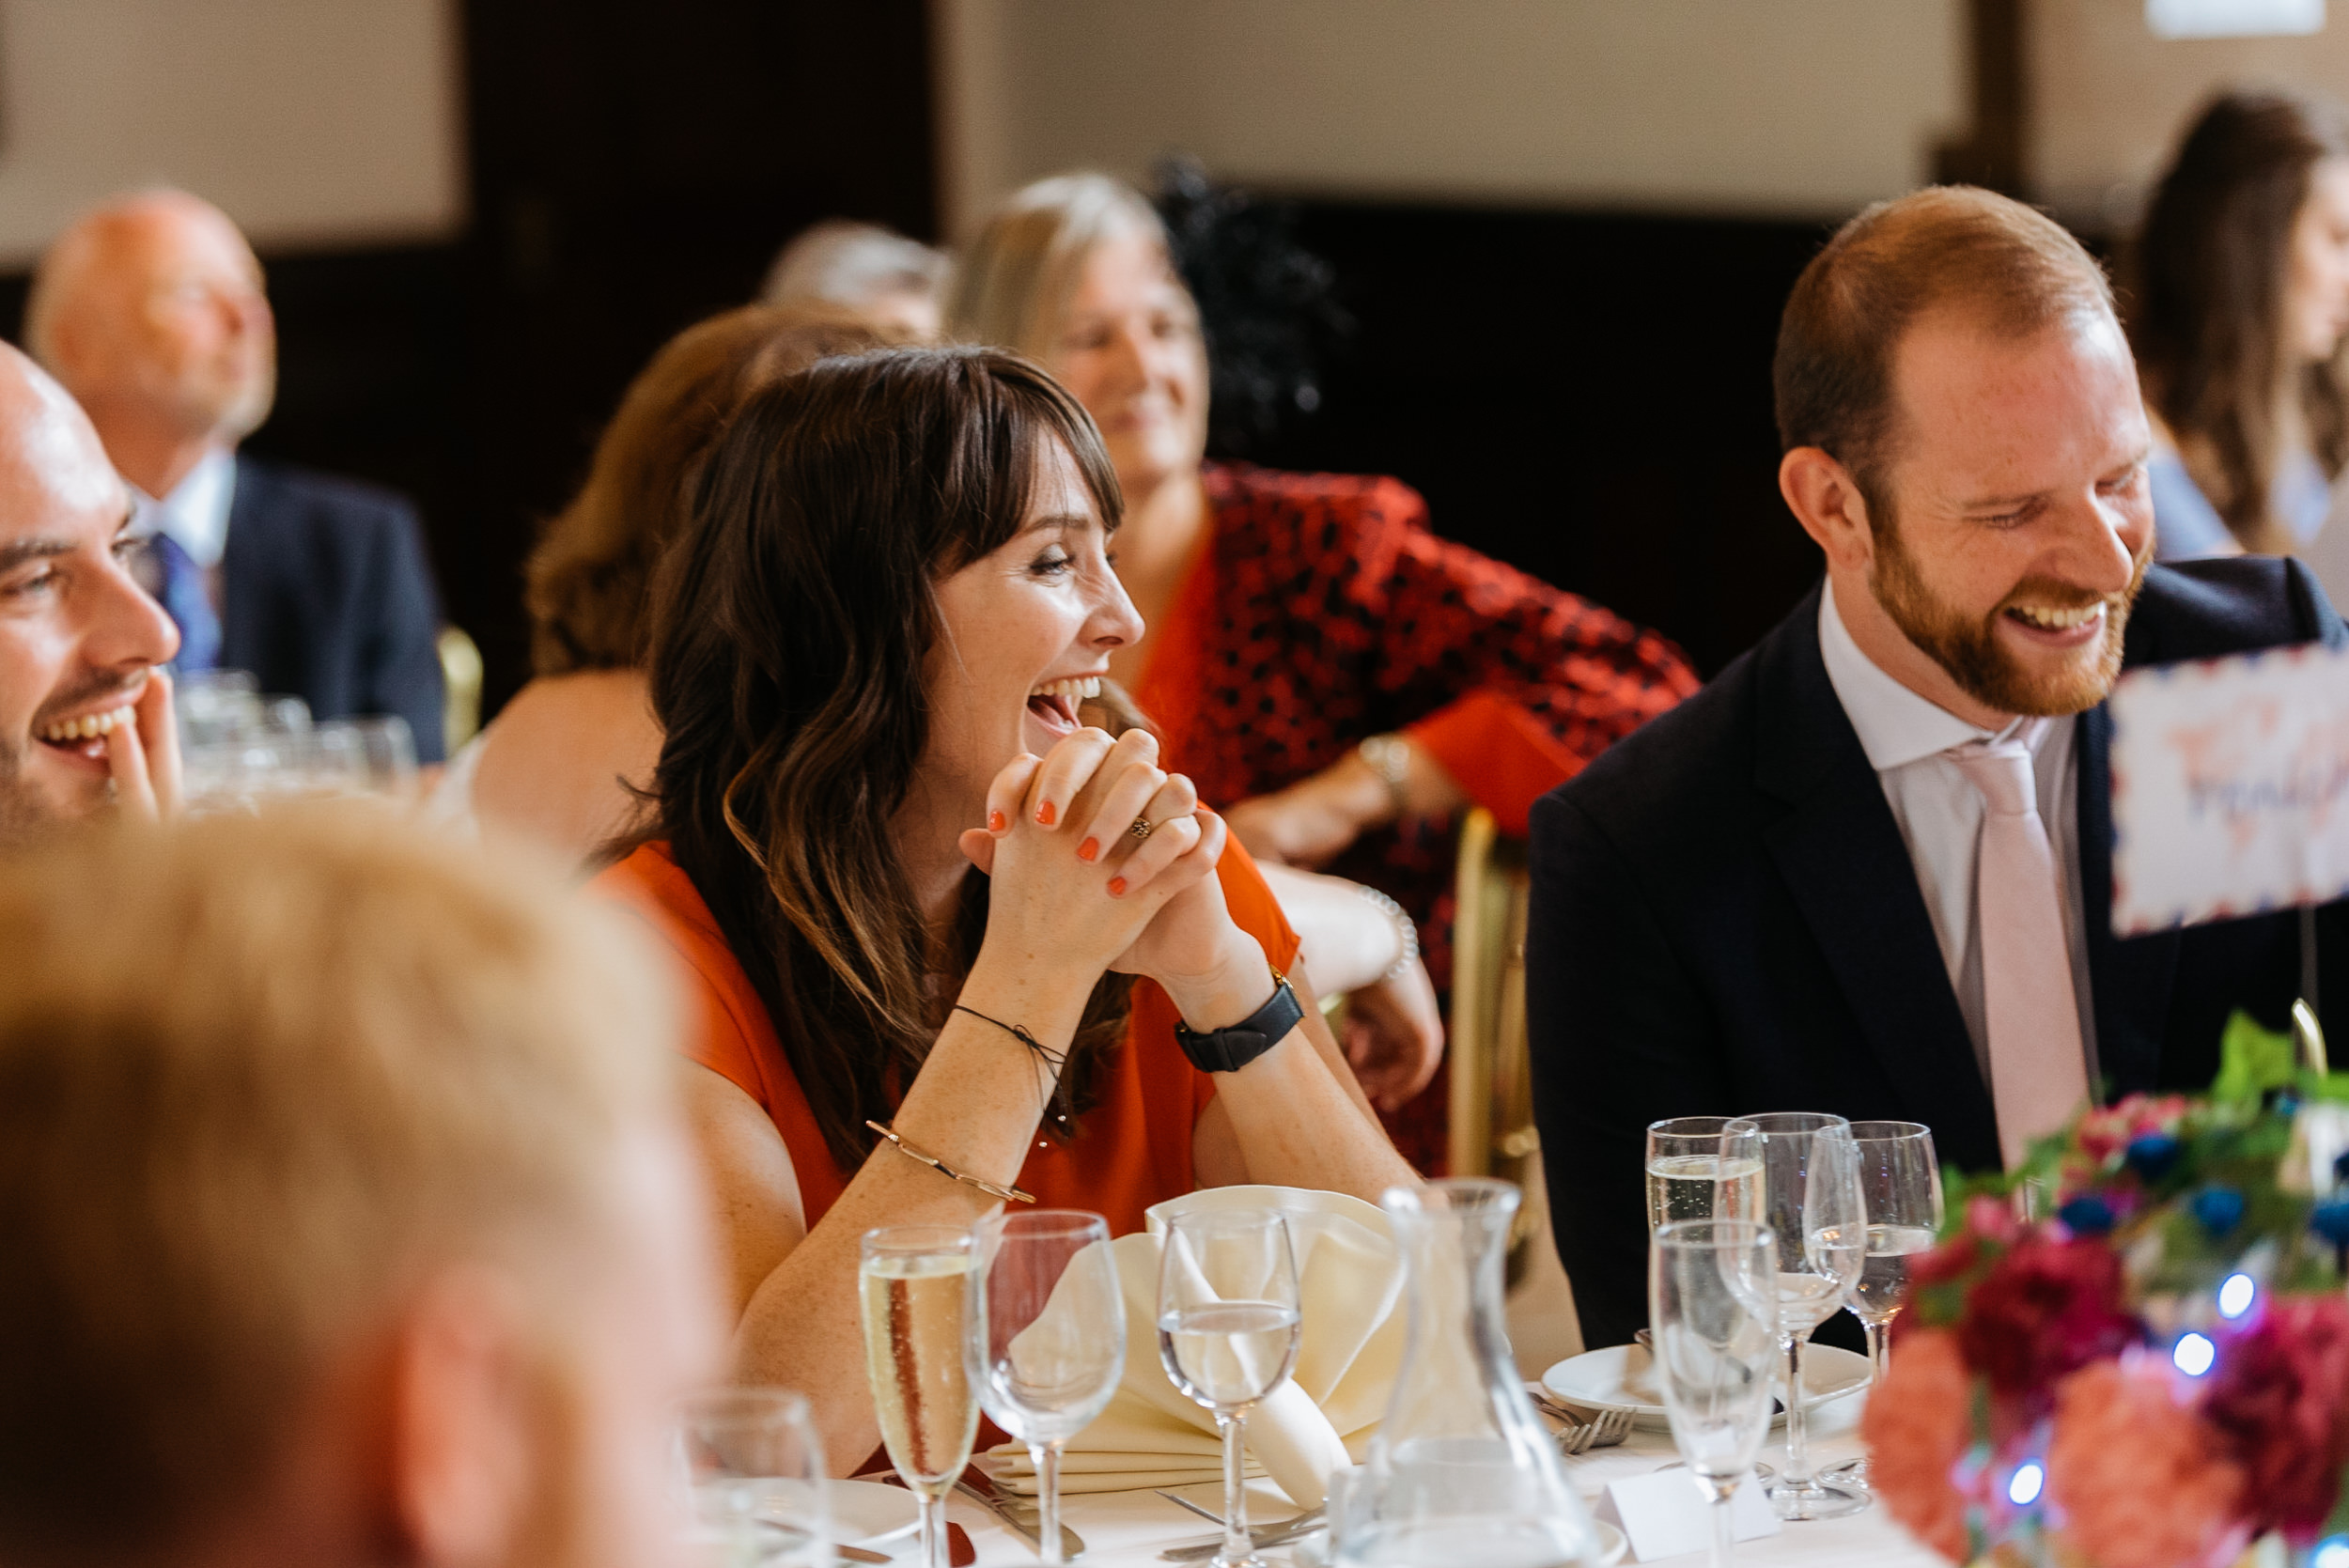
<point>1053,705</point>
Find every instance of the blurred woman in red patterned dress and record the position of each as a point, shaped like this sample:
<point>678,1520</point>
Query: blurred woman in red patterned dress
<point>1341,680</point>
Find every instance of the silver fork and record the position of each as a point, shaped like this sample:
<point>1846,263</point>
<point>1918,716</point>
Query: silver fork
<point>1605,1430</point>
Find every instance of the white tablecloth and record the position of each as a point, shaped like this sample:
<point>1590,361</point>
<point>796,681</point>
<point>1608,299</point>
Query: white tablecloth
<point>1128,1530</point>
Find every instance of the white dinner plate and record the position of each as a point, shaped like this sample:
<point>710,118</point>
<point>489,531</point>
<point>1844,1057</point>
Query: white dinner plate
<point>1313,1550</point>
<point>865,1512</point>
<point>1619,1378</point>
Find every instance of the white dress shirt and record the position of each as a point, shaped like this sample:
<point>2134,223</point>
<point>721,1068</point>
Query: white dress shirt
<point>1941,813</point>
<point>196,513</point>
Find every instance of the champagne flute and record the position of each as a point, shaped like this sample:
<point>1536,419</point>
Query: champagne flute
<point>1713,1303</point>
<point>1228,1324</point>
<point>756,1469</point>
<point>1048,1337</point>
<point>911,1279</point>
<point>1704,1167</point>
<point>1811,1200</point>
<point>1899,1186</point>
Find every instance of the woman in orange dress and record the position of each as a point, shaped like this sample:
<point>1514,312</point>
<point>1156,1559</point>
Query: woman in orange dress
<point>910,886</point>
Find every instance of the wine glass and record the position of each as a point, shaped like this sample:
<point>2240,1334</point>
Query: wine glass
<point>911,1279</point>
<point>1704,1167</point>
<point>1713,1305</point>
<point>1810,1199</point>
<point>1899,1186</point>
<point>756,1469</point>
<point>1048,1337</point>
<point>1228,1323</point>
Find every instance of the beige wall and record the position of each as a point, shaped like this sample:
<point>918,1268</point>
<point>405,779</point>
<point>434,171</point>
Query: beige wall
<point>1766,106</point>
<point>313,122</point>
<point>2110,99</point>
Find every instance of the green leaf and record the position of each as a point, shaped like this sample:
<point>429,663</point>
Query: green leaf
<point>2251,1059</point>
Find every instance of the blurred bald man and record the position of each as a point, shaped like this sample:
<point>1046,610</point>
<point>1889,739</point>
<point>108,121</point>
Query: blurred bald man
<point>150,310</point>
<point>85,712</point>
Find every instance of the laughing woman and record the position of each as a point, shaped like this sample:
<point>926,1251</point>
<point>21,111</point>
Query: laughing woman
<point>910,888</point>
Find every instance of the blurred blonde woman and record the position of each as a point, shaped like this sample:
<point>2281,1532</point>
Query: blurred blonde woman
<point>558,763</point>
<point>1337,677</point>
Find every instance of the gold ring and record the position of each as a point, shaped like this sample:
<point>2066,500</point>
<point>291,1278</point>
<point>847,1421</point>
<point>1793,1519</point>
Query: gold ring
<point>1143,828</point>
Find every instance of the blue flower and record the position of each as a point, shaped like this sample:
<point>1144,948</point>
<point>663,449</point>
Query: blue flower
<point>2086,1215</point>
<point>2331,1222</point>
<point>2341,1167</point>
<point>2217,1209</point>
<point>2152,1155</point>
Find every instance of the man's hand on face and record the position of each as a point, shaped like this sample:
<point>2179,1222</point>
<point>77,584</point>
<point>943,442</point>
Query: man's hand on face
<point>142,757</point>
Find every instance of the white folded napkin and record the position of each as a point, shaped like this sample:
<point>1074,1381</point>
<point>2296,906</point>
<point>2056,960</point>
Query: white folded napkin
<point>1351,1345</point>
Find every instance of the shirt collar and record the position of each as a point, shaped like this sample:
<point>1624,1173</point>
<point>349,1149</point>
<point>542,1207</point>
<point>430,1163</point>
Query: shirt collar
<point>196,513</point>
<point>1896,725</point>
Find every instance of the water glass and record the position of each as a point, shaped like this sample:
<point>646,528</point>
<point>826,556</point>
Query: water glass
<point>1713,1312</point>
<point>1811,1200</point>
<point>1704,1167</point>
<point>756,1468</point>
<point>913,1284</point>
<point>1048,1336</point>
<point>1228,1327</point>
<point>1899,1186</point>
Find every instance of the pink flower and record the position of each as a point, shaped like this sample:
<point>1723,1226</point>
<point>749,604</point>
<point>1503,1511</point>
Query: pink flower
<point>1993,1220</point>
<point>2278,1399</point>
<point>1917,1429</point>
<point>2138,1480</point>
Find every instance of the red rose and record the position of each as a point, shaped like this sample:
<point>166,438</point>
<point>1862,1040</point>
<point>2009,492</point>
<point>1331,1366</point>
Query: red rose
<point>2278,1397</point>
<point>2046,1308</point>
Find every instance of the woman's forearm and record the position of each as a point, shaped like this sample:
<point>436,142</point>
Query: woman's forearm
<point>1347,940</point>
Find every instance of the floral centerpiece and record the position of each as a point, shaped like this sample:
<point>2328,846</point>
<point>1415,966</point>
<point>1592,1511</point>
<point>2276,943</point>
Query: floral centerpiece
<point>2134,1351</point>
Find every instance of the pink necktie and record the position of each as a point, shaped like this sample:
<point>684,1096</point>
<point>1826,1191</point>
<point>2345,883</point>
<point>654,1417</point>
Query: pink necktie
<point>2038,1070</point>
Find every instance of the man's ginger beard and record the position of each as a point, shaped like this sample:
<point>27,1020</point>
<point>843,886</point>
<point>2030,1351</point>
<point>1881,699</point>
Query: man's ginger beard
<point>1969,650</point>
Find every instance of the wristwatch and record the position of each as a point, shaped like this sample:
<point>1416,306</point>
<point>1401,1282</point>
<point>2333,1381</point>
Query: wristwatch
<point>1227,1050</point>
<point>1389,757</point>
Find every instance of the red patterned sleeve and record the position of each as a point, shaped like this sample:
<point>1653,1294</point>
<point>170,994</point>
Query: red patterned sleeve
<point>1514,684</point>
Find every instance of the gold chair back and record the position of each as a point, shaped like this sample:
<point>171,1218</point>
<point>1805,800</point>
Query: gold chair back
<point>1491,1132</point>
<point>460,682</point>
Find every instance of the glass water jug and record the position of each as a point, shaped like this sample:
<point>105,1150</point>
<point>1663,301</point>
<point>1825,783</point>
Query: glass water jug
<point>1461,1469</point>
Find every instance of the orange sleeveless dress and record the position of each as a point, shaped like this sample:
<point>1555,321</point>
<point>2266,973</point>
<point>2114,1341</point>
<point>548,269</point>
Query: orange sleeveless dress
<point>1131,1150</point>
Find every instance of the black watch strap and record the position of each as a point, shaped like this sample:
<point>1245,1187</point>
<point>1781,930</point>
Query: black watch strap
<point>1227,1050</point>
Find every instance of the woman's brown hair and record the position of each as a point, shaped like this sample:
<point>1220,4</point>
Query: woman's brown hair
<point>587,583</point>
<point>796,627</point>
<point>2206,302</point>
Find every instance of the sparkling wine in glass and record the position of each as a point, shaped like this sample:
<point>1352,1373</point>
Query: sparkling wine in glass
<point>1228,1323</point>
<point>1704,1167</point>
<point>913,1283</point>
<point>1812,1202</point>
<point>1713,1308</point>
<point>1899,1186</point>
<point>1048,1337</point>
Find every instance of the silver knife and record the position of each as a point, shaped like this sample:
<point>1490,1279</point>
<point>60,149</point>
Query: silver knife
<point>1281,1536</point>
<point>1024,1520</point>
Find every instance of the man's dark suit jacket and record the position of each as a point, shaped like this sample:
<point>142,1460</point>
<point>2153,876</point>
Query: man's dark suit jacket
<point>325,593</point>
<point>1725,920</point>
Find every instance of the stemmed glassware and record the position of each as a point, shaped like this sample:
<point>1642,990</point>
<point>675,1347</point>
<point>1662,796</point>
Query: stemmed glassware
<point>757,1470</point>
<point>1704,1167</point>
<point>1900,1188</point>
<point>1228,1324</point>
<point>1811,1200</point>
<point>1713,1305</point>
<point>912,1283</point>
<point>1048,1337</point>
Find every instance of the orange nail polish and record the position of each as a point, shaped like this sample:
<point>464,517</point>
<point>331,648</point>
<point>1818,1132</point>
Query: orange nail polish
<point>994,822</point>
<point>1088,850</point>
<point>1117,887</point>
<point>1047,812</point>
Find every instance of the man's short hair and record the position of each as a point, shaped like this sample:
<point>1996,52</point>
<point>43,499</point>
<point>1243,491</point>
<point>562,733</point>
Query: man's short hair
<point>257,1077</point>
<point>2012,269</point>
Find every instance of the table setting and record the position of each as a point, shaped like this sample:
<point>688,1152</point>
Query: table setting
<point>2130,1351</point>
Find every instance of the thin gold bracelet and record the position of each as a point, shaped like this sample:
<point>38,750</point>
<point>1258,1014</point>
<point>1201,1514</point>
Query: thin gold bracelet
<point>922,1157</point>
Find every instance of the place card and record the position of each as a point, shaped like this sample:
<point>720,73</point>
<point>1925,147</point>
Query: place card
<point>2229,787</point>
<point>1666,1513</point>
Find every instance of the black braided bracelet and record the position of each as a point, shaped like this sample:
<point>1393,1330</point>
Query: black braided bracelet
<point>1057,1060</point>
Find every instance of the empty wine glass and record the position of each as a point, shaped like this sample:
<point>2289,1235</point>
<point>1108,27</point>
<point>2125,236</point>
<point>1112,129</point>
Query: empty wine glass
<point>1713,1306</point>
<point>1704,1167</point>
<point>1048,1337</point>
<point>1900,1188</point>
<point>911,1281</point>
<point>1228,1323</point>
<point>756,1469</point>
<point>1811,1200</point>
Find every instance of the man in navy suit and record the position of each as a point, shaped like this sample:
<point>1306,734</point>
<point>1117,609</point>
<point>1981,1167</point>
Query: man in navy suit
<point>150,310</point>
<point>1868,870</point>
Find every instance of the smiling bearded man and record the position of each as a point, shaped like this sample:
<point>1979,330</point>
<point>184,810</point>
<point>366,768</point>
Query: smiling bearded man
<point>1868,870</point>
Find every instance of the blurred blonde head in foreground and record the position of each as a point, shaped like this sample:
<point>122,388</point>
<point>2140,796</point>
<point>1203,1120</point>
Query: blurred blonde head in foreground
<point>342,1214</point>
